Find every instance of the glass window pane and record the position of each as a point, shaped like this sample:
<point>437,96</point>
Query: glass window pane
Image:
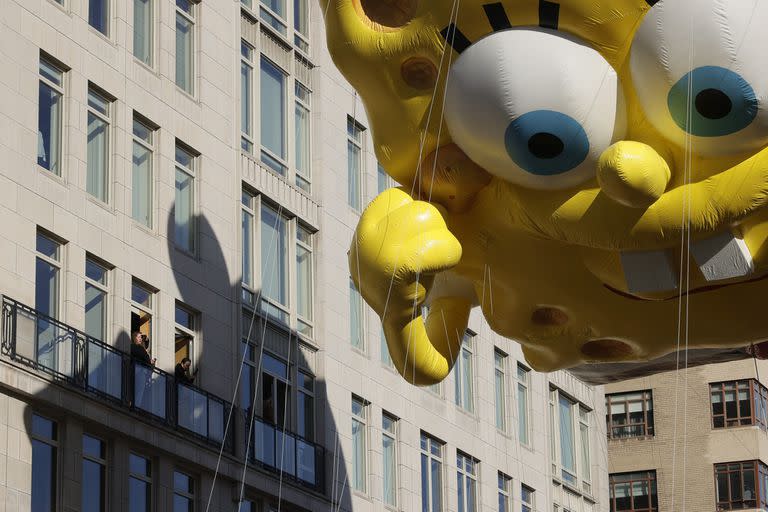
<point>246,91</point>
<point>98,15</point>
<point>301,17</point>
<point>272,110</point>
<point>354,164</point>
<point>185,5</point>
<point>49,129</point>
<point>566,435</point>
<point>183,211</point>
<point>275,366</point>
<point>183,317</point>
<point>51,72</point>
<point>304,282</point>
<point>141,195</point>
<point>274,255</point>
<point>138,465</point>
<point>277,6</point>
<point>355,317</point>
<point>247,228</point>
<point>183,52</point>
<point>97,157</point>
<point>47,247</point>
<point>95,271</point>
<point>44,472</point>
<point>142,131</point>
<point>302,135</point>
<point>142,30</point>
<point>141,295</point>
<point>98,102</point>
<point>43,427</point>
<point>95,311</point>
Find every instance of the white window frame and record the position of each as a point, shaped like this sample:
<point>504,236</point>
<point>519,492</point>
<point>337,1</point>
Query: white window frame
<point>108,4</point>
<point>150,147</point>
<point>356,137</point>
<point>463,375</point>
<point>147,479</point>
<point>354,294</point>
<point>523,388</point>
<point>307,323</point>
<point>530,505</point>
<point>102,287</point>
<point>468,479</point>
<point>282,161</point>
<point>191,17</point>
<point>558,471</point>
<point>61,90</point>
<point>106,119</point>
<point>500,369</point>
<point>299,41</point>
<point>191,172</point>
<point>150,36</point>
<point>362,419</point>
<point>304,182</point>
<point>300,389</point>
<point>247,140</point>
<point>58,263</point>
<point>505,490</point>
<point>135,306</point>
<point>190,333</point>
<point>103,462</point>
<point>381,175</point>
<point>54,443</point>
<point>393,435</point>
<point>427,452</point>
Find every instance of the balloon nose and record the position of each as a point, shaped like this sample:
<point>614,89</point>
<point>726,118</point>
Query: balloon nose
<point>633,174</point>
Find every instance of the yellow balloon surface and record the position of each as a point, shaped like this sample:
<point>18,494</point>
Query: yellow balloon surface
<point>633,183</point>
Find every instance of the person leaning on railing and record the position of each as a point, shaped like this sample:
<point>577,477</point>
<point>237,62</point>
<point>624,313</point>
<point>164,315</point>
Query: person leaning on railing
<point>139,350</point>
<point>181,372</point>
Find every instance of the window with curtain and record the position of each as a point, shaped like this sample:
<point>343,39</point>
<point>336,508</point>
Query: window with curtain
<point>246,97</point>
<point>143,33</point>
<point>45,464</point>
<point>94,482</point>
<point>522,403</point>
<point>98,15</point>
<point>505,499</point>
<point>142,176</point>
<point>569,429</point>
<point>633,492</point>
<point>139,483</point>
<point>354,164</point>
<point>274,263</point>
<point>431,474</point>
<point>629,414</point>
<point>304,279</point>
<point>466,482</point>
<point>567,444</point>
<point>97,159</point>
<point>741,485</point>
<point>184,208</point>
<point>389,458</point>
<point>96,290</point>
<point>500,402</point>
<point>356,322</point>
<point>49,120</point>
<point>359,422</point>
<point>738,403</point>
<point>463,375</point>
<point>272,111</point>
<point>302,139</point>
<point>301,25</point>
<point>185,24</point>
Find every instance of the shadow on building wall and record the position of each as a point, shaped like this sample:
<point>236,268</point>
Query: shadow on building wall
<point>146,396</point>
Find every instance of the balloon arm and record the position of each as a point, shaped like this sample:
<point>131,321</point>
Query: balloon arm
<point>425,351</point>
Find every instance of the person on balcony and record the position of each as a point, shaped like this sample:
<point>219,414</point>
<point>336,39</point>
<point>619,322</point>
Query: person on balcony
<point>139,350</point>
<point>182,372</point>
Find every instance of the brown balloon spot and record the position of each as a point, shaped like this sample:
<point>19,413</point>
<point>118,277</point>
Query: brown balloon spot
<point>389,13</point>
<point>549,316</point>
<point>419,73</point>
<point>606,349</point>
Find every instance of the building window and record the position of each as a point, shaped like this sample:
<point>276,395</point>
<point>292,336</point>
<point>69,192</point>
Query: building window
<point>305,406</point>
<point>97,174</point>
<point>629,414</point>
<point>184,336</point>
<point>527,495</point>
<point>386,358</point>
<point>567,438</point>
<point>183,490</point>
<point>500,380</point>
<point>273,13</point>
<point>250,366</point>
<point>383,181</point>
<point>742,485</point>
<point>45,471</point>
<point>466,482</point>
<point>184,207</point>
<point>634,492</point>
<point>280,236</point>
<point>569,419</point>
<point>96,291</point>
<point>356,321</point>
<point>389,458</point>
<point>49,120</point>
<point>185,30</point>
<point>141,194</point>
<point>431,474</point>
<point>302,132</point>
<point>246,97</point>
<point>586,465</point>
<point>273,123</point>
<point>738,403</point>
<point>301,24</point>
<point>359,423</point>
<point>52,351</point>
<point>247,506</point>
<point>142,30</point>
<point>354,164</point>
<point>505,499</point>
<point>139,484</point>
<point>275,391</point>
<point>98,15</point>
<point>94,474</point>
<point>523,425</point>
<point>304,280</point>
<point>463,375</point>
<point>141,310</point>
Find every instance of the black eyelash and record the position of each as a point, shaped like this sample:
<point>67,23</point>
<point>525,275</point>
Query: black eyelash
<point>549,14</point>
<point>455,38</point>
<point>497,16</point>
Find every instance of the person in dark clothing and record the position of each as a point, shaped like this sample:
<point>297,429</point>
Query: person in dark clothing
<point>139,350</point>
<point>182,372</point>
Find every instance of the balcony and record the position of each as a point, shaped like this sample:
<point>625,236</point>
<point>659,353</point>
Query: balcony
<point>75,359</point>
<point>279,451</point>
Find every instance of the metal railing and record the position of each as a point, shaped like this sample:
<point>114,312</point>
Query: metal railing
<point>71,356</point>
<point>281,451</point>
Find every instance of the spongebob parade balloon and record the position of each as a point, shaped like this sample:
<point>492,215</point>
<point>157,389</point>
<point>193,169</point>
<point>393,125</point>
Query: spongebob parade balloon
<point>589,173</point>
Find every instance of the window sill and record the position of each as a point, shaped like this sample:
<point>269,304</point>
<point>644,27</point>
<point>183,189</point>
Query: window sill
<point>277,175</point>
<point>102,35</point>
<point>190,255</point>
<point>143,227</point>
<point>61,6</point>
<point>186,94</point>
<point>574,490</point>
<point>147,67</point>
<point>101,204</point>
<point>59,178</point>
<point>646,437</point>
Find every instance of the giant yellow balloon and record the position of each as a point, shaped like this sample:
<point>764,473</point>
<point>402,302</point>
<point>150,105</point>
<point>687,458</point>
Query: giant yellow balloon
<point>592,174</point>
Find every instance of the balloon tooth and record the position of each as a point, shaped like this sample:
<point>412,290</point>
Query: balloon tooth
<point>722,256</point>
<point>649,271</point>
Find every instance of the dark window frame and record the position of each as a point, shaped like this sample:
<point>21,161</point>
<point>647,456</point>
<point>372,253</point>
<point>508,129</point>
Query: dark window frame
<point>758,400</point>
<point>647,425</point>
<point>759,472</point>
<point>653,496</point>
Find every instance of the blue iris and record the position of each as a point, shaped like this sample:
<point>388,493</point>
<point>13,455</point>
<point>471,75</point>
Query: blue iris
<point>546,143</point>
<point>721,102</point>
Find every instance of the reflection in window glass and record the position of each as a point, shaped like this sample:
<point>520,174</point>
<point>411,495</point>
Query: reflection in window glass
<point>44,464</point>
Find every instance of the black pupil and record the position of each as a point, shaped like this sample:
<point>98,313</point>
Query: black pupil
<point>545,145</point>
<point>713,104</point>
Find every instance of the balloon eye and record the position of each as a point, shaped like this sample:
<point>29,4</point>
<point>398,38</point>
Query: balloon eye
<point>546,143</point>
<point>718,101</point>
